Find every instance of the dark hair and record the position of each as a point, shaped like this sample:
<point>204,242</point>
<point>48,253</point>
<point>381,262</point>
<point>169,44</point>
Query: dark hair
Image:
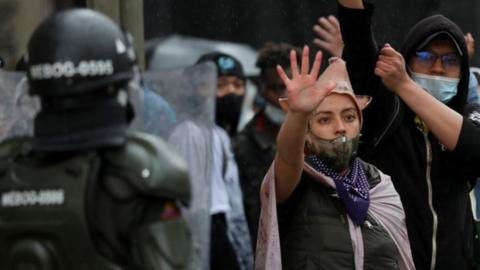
<point>273,54</point>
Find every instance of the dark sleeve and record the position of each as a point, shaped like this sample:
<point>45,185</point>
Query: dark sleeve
<point>468,146</point>
<point>162,245</point>
<point>360,53</point>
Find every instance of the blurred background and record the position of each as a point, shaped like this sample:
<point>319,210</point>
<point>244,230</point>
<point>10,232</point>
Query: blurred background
<point>247,23</point>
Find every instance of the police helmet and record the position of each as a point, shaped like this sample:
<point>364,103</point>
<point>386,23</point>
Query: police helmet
<point>81,65</point>
<point>77,51</point>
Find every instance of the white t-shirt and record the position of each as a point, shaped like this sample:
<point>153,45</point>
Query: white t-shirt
<point>224,168</point>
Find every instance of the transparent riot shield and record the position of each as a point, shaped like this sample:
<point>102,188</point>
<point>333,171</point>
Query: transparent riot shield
<point>17,108</point>
<point>178,105</point>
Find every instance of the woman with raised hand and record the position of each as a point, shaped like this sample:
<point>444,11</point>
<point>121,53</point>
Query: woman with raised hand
<point>334,210</point>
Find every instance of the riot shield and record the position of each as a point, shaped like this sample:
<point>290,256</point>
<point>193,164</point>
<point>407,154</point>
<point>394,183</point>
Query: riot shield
<point>17,108</point>
<point>175,104</point>
<point>178,104</point>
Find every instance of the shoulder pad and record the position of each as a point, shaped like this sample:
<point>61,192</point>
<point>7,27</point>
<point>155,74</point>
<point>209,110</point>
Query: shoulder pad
<point>13,147</point>
<point>152,166</point>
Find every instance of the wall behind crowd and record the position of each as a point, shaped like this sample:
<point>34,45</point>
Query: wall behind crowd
<point>256,21</point>
<point>18,18</point>
<point>248,21</point>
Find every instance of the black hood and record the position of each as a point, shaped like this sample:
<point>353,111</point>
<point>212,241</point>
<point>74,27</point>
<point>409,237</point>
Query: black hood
<point>432,25</point>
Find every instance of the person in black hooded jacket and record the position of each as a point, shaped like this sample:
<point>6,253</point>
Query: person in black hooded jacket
<point>419,137</point>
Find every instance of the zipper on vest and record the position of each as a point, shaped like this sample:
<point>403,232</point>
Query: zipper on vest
<point>369,224</point>
<point>336,203</point>
<point>430,202</point>
<point>342,219</point>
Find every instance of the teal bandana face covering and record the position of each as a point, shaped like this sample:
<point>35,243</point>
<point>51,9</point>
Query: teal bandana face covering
<point>442,88</point>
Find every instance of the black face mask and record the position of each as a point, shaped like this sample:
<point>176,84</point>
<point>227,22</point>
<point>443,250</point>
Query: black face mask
<point>227,112</point>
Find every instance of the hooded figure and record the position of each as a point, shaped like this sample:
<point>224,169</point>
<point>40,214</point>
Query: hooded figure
<point>438,26</point>
<point>433,182</point>
<point>327,200</point>
<point>230,90</point>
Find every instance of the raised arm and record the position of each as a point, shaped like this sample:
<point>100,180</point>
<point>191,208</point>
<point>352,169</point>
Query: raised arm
<point>457,133</point>
<point>304,95</point>
<point>357,4</point>
<point>442,121</point>
<point>360,54</point>
<point>470,45</point>
<point>360,49</point>
<point>329,37</point>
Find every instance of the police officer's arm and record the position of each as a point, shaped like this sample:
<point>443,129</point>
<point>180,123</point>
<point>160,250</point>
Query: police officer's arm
<point>442,121</point>
<point>159,236</point>
<point>162,244</point>
<point>303,97</point>
<point>153,167</point>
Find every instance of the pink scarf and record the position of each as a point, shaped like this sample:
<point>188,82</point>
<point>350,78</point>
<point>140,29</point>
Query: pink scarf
<point>385,207</point>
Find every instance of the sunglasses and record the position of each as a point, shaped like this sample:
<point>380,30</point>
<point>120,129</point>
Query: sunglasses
<point>428,59</point>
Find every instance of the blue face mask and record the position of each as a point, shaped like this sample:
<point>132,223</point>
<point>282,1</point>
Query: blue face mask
<point>442,88</point>
<point>274,113</point>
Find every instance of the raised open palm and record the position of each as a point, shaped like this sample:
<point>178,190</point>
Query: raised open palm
<point>303,92</point>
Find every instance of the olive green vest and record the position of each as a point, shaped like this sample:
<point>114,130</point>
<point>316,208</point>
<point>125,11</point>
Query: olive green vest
<point>49,206</point>
<point>314,231</point>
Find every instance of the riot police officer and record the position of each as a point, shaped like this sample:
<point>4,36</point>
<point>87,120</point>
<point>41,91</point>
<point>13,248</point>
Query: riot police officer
<point>85,192</point>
